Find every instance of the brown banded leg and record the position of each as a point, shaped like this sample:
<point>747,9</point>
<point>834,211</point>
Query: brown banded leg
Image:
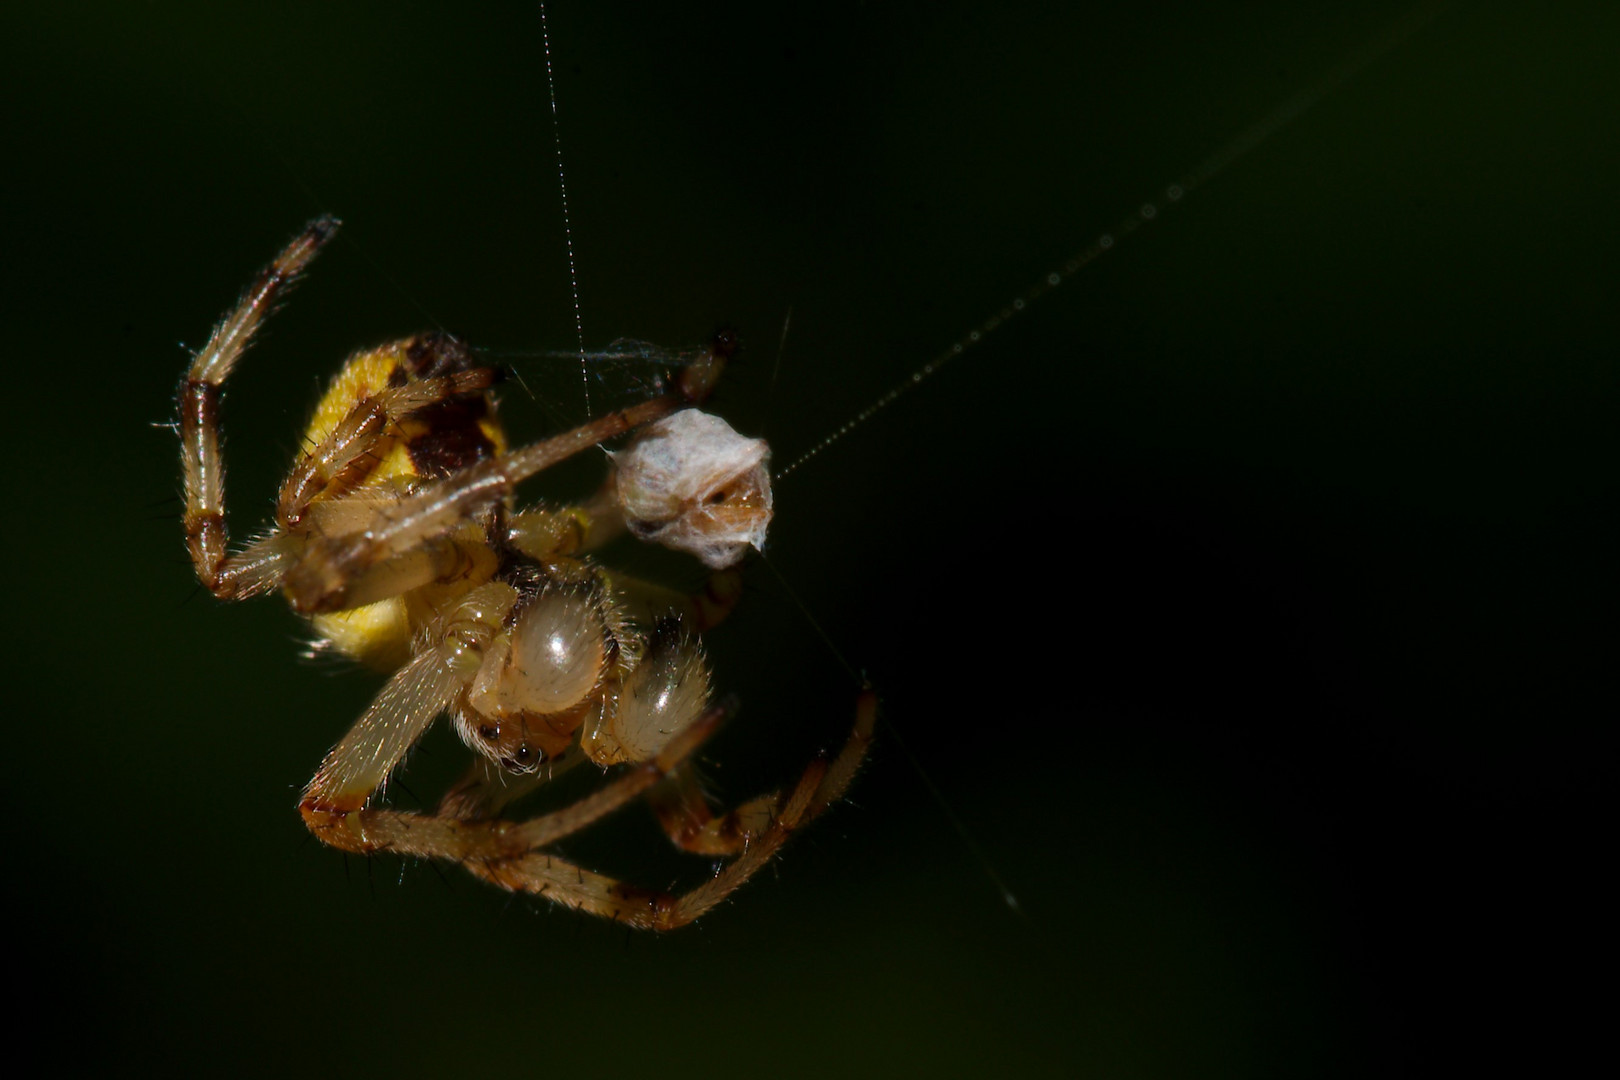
<point>413,697</point>
<point>350,451</point>
<point>334,803</point>
<point>483,839</point>
<point>487,788</point>
<point>820,785</point>
<point>690,820</point>
<point>320,580</point>
<point>692,823</point>
<point>202,464</point>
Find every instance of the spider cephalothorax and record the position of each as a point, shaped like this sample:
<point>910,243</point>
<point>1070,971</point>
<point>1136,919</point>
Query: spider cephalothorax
<point>397,536</point>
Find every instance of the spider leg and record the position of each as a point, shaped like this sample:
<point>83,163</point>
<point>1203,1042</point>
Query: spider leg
<point>692,823</point>
<point>407,704</point>
<point>202,462</point>
<point>487,788</point>
<point>347,454</point>
<point>478,840</point>
<point>322,577</point>
<point>822,783</point>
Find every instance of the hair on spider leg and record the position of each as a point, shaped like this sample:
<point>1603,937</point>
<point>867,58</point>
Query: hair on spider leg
<point>168,501</point>
<point>508,370</point>
<point>511,898</point>
<point>438,873</point>
<point>304,840</point>
<point>400,783</point>
<point>190,595</point>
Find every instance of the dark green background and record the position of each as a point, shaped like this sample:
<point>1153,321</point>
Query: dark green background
<point>1250,599</point>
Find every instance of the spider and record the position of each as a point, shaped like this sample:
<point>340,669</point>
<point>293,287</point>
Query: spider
<point>396,535</point>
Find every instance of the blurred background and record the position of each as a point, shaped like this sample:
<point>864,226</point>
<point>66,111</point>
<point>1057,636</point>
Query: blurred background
<point>1247,600</point>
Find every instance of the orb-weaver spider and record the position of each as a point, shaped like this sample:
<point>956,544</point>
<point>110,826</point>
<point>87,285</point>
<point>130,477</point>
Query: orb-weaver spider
<point>396,536</point>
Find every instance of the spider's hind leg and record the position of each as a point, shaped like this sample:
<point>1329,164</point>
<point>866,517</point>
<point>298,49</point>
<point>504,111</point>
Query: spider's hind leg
<point>821,784</point>
<point>692,823</point>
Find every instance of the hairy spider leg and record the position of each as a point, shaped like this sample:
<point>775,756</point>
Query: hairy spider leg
<point>257,569</point>
<point>822,783</point>
<point>330,575</point>
<point>333,805</point>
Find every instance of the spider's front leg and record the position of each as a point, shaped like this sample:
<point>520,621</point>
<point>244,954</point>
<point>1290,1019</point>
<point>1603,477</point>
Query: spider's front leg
<point>258,568</point>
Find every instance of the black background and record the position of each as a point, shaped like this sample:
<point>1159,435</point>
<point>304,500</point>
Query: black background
<point>1249,599</point>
